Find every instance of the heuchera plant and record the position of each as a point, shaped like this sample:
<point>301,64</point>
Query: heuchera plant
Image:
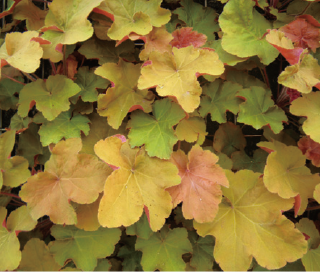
<point>143,135</point>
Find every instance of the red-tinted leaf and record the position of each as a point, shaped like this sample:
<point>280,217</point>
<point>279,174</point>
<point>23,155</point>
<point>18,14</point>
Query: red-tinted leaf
<point>185,36</point>
<point>311,149</point>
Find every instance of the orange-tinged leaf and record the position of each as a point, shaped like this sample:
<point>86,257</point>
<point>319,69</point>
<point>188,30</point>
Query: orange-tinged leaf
<point>285,173</point>
<point>284,46</point>
<point>51,96</point>
<point>123,97</point>
<point>310,149</point>
<point>67,176</point>
<point>13,170</point>
<point>308,105</point>
<point>157,40</point>
<point>83,247</point>
<point>18,220</point>
<point>11,5</point>
<point>200,189</point>
<point>33,15</point>
<point>140,181</point>
<point>136,16</point>
<point>185,36</point>
<point>21,52</point>
<point>303,75</point>
<point>304,32</point>
<point>250,224</point>
<point>67,23</point>
<point>36,257</point>
<point>176,74</point>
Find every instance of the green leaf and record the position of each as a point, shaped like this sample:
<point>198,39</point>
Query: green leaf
<point>141,228</point>
<point>19,123</point>
<point>202,257</point>
<point>311,260</point>
<point>164,249</point>
<point>83,247</point>
<point>13,170</point>
<point>89,83</point>
<point>51,96</point>
<point>36,257</point>
<point>8,94</point>
<point>132,258</point>
<point>256,163</point>
<point>228,139</point>
<point>259,109</point>
<point>156,132</point>
<point>99,129</point>
<point>29,144</point>
<point>63,126</point>
<point>106,51</point>
<point>18,220</point>
<point>243,30</point>
<point>220,97</point>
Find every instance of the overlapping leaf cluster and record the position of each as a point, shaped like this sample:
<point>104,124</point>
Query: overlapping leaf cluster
<point>188,152</point>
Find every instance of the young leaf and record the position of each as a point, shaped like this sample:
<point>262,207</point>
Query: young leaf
<point>67,176</point>
<point>67,23</point>
<point>286,174</point>
<point>123,97</point>
<point>176,74</point>
<point>164,249</point>
<point>239,17</point>
<point>250,224</point>
<point>138,181</point>
<point>51,96</point>
<point>18,220</point>
<point>136,16</point>
<point>21,51</point>
<point>13,170</point>
<point>132,258</point>
<point>220,97</point>
<point>185,36</point>
<point>36,257</point>
<point>228,139</point>
<point>63,126</point>
<point>199,18</point>
<point>83,247</point>
<point>156,131</point>
<point>311,260</point>
<point>259,109</point>
<point>200,184</point>
<point>303,32</point>
<point>308,105</point>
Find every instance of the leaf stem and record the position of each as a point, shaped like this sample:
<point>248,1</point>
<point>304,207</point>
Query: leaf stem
<point>54,70</point>
<point>14,79</point>
<point>28,76</point>
<point>64,60</point>
<point>8,194</point>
